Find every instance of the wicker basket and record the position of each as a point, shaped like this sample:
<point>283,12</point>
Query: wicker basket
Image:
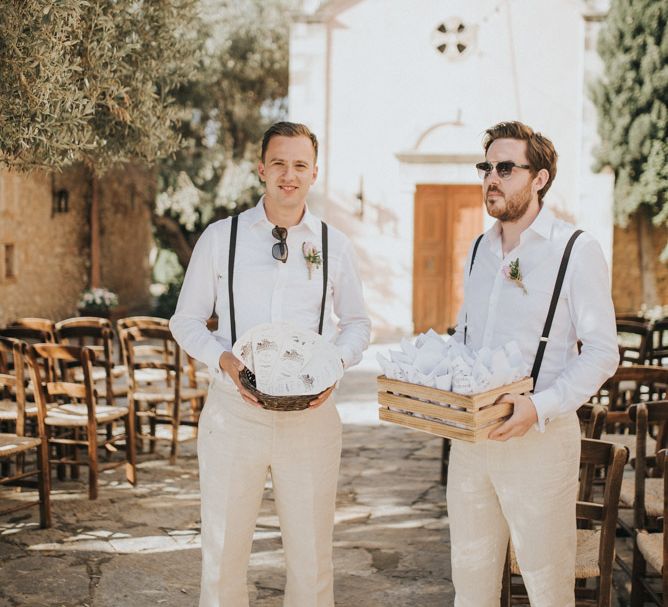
<point>275,403</point>
<point>447,414</point>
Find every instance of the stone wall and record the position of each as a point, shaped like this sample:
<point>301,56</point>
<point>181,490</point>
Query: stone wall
<point>126,236</point>
<point>626,279</point>
<point>50,250</point>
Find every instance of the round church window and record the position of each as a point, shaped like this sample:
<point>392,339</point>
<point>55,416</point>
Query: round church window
<point>453,39</point>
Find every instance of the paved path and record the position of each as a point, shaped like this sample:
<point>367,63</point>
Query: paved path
<point>139,547</point>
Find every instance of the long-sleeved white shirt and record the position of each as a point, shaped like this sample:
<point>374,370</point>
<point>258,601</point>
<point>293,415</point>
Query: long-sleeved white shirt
<point>267,290</point>
<point>499,311</point>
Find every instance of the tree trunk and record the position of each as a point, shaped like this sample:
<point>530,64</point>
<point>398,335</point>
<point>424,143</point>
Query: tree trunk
<point>170,232</point>
<point>646,256</point>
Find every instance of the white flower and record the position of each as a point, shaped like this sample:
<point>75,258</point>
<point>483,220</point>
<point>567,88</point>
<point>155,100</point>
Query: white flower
<point>97,298</point>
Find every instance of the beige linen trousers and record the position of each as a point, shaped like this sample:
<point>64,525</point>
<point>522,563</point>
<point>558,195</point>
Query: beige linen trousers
<point>236,445</point>
<point>526,489</point>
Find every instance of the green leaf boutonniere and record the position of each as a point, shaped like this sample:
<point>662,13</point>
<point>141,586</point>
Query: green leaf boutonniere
<point>312,256</point>
<point>513,273</point>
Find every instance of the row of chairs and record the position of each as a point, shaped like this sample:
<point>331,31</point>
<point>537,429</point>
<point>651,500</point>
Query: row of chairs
<point>642,341</point>
<point>54,387</point>
<point>628,423</point>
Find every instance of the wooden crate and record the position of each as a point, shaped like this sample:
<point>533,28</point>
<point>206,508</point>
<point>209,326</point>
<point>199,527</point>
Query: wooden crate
<point>469,417</point>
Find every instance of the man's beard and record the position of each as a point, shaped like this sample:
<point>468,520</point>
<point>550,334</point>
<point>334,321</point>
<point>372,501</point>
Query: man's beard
<point>516,205</point>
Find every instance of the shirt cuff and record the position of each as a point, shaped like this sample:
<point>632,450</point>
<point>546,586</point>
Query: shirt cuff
<point>212,355</point>
<point>347,355</point>
<point>547,407</point>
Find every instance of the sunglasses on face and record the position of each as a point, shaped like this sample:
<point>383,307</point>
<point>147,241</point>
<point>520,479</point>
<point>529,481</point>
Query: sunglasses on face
<point>280,249</point>
<point>504,169</point>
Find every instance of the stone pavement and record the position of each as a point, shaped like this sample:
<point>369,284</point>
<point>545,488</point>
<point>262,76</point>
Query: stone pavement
<point>139,547</point>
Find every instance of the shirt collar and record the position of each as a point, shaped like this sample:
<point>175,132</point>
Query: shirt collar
<point>542,226</point>
<point>543,223</point>
<point>258,214</point>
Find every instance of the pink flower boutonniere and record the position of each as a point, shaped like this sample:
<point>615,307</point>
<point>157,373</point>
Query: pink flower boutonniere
<point>512,272</point>
<point>312,256</point>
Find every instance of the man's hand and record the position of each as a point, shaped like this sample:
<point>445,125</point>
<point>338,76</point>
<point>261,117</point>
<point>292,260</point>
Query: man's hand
<point>321,399</point>
<point>524,416</point>
<point>232,366</point>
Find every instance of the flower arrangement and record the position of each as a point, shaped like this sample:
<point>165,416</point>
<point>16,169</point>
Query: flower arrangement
<point>312,256</point>
<point>513,273</point>
<point>97,301</point>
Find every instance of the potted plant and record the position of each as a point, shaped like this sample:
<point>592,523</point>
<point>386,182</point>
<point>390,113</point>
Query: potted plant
<point>97,302</point>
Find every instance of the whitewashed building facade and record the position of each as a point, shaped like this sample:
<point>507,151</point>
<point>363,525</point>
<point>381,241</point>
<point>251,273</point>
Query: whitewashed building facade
<point>400,92</point>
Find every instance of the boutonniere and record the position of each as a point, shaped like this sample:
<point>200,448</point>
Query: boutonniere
<point>513,273</point>
<point>312,256</point>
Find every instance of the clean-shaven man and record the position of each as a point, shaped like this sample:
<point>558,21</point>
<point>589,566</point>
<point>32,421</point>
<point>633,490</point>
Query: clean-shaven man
<point>260,260</point>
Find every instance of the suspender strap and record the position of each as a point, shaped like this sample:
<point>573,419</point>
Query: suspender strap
<point>325,258</point>
<point>230,276</point>
<point>475,250</point>
<point>553,306</point>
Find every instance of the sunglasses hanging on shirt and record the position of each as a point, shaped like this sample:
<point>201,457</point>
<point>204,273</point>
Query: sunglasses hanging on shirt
<point>280,249</point>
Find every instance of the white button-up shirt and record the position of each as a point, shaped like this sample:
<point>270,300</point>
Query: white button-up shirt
<point>499,311</point>
<point>267,290</point>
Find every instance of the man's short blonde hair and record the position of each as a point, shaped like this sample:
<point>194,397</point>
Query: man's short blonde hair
<point>288,129</point>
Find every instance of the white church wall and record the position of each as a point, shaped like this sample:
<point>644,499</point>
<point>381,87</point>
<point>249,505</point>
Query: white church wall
<point>371,83</point>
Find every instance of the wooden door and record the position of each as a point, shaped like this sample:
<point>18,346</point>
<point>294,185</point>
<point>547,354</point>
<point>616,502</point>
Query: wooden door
<point>447,219</point>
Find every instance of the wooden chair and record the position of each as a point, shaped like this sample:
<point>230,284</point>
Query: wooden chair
<point>643,492</point>
<point>15,410</point>
<point>652,549</point>
<point>159,403</point>
<point>634,338</point>
<point>630,316</point>
<point>196,375</point>
<point>16,448</point>
<point>595,533</point>
<point>97,334</point>
<point>627,386</point>
<point>592,420</point>
<point>74,416</point>
<point>40,330</point>
<point>657,344</point>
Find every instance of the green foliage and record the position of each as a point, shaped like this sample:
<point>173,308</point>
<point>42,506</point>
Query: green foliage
<point>632,100</point>
<point>240,89</point>
<point>92,81</point>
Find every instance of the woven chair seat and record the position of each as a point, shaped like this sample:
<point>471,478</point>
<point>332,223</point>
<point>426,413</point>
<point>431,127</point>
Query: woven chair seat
<point>586,560</point>
<point>653,495</point>
<point>629,441</point>
<point>74,414</point>
<point>651,547</point>
<point>159,394</point>
<point>10,444</point>
<point>8,410</point>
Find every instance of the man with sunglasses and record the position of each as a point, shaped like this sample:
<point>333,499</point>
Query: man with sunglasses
<point>522,482</point>
<point>276,262</point>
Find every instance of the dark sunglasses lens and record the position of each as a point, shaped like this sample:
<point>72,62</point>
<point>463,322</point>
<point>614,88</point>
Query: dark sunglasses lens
<point>484,168</point>
<point>280,251</point>
<point>279,233</point>
<point>504,169</point>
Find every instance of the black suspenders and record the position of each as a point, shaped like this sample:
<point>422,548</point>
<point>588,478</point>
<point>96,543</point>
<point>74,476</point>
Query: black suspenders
<point>475,250</point>
<point>542,344</point>
<point>538,361</point>
<point>230,276</point>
